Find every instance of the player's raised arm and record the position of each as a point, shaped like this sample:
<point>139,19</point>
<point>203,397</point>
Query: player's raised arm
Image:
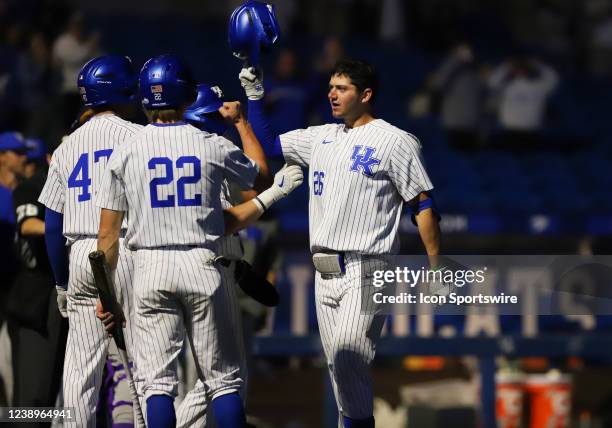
<point>247,39</point>
<point>232,112</point>
<point>251,80</point>
<point>212,114</point>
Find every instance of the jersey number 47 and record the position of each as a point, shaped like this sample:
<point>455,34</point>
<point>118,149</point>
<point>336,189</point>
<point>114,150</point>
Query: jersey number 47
<point>80,178</point>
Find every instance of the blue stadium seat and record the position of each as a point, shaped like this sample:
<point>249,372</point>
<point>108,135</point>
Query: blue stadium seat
<point>517,203</point>
<point>561,202</point>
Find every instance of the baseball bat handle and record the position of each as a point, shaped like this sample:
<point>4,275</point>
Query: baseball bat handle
<point>106,292</point>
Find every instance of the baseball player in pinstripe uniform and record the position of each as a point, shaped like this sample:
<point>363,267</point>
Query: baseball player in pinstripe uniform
<point>361,172</point>
<point>107,85</point>
<point>204,115</point>
<point>167,181</point>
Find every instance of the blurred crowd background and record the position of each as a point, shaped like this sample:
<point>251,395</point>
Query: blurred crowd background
<point>511,101</point>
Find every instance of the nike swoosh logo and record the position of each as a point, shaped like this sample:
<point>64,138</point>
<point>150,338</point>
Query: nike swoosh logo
<point>326,142</point>
<point>282,182</point>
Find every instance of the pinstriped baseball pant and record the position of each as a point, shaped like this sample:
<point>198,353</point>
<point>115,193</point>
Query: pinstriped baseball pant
<point>176,291</point>
<point>194,409</point>
<point>350,324</point>
<point>87,345</point>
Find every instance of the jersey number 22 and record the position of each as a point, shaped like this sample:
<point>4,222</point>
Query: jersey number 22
<point>168,178</point>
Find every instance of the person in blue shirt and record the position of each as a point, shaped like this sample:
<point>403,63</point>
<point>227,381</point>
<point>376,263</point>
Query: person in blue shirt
<point>12,163</point>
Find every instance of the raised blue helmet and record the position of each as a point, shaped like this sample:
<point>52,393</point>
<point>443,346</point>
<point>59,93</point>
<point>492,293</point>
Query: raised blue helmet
<point>108,79</point>
<point>253,27</point>
<point>166,82</point>
<point>203,113</point>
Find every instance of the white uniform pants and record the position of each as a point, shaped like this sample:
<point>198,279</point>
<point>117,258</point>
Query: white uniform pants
<point>87,345</point>
<point>350,323</point>
<point>177,291</point>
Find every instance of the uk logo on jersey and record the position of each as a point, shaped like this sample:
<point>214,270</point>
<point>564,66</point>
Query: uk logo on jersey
<point>363,160</point>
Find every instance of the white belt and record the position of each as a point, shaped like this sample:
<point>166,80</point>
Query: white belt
<point>329,264</point>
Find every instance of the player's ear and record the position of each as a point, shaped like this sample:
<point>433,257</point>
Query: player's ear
<point>366,95</point>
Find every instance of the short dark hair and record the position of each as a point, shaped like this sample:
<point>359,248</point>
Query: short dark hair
<point>362,74</point>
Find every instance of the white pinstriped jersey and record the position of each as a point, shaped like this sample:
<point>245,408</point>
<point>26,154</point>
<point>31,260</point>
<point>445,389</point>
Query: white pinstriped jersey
<point>76,169</point>
<point>230,246</point>
<point>169,179</point>
<point>358,178</point>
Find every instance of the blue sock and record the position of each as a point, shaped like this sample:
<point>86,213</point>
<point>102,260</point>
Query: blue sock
<point>228,411</point>
<point>160,412</point>
<point>358,423</point>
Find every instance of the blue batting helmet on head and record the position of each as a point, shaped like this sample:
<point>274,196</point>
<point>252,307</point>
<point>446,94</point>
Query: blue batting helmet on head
<point>37,149</point>
<point>108,79</point>
<point>252,27</point>
<point>166,82</point>
<point>201,113</point>
<point>12,141</point>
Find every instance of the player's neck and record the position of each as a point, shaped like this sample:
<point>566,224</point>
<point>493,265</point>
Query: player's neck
<point>362,119</point>
<point>104,112</point>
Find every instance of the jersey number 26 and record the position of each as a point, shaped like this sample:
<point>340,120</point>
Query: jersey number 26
<point>317,182</point>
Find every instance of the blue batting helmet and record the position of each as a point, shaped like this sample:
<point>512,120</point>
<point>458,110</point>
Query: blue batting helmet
<point>108,79</point>
<point>37,149</point>
<point>166,82</point>
<point>252,27</point>
<point>201,113</point>
<point>12,141</point>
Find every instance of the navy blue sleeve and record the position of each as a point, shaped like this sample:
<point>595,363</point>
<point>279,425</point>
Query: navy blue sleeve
<point>56,246</point>
<point>261,126</point>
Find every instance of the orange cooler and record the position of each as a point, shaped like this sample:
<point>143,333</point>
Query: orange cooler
<point>551,401</point>
<point>509,400</point>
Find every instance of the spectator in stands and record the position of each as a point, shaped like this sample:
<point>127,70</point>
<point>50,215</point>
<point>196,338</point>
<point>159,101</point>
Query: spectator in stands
<point>70,51</point>
<point>37,83</point>
<point>287,95</point>
<point>392,23</point>
<point>600,45</point>
<point>332,51</point>
<point>522,87</point>
<point>10,45</point>
<point>458,89</point>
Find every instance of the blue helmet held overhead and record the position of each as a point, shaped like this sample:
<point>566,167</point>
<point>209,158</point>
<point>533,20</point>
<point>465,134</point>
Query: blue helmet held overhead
<point>166,82</point>
<point>108,79</point>
<point>252,27</point>
<point>201,113</point>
